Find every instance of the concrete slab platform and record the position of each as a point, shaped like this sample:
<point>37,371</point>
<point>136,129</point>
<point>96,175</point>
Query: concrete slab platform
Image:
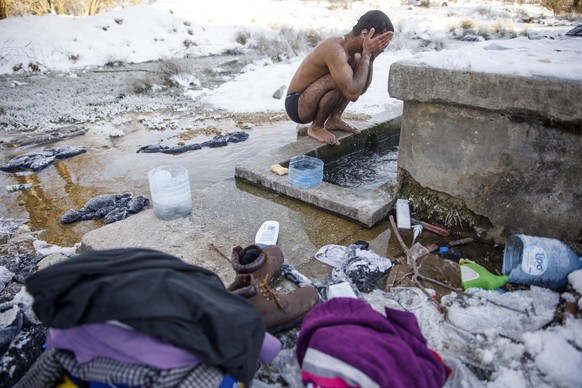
<point>228,214</point>
<point>367,208</point>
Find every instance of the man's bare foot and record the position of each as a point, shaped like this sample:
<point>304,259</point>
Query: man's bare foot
<point>323,135</point>
<point>340,125</point>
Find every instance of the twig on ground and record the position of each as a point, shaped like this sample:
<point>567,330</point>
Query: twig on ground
<point>412,263</point>
<point>400,240</point>
<point>122,71</point>
<point>219,252</point>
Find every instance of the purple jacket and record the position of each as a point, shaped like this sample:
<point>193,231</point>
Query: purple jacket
<point>345,338</point>
<point>132,347</point>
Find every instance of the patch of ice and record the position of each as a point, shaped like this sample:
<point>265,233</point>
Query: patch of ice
<point>45,249</point>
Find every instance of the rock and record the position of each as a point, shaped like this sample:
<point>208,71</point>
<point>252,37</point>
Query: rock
<point>10,324</point>
<point>5,277</point>
<point>47,137</point>
<point>137,204</point>
<point>576,31</point>
<point>21,264</point>
<point>51,259</point>
<point>9,226</point>
<point>23,349</point>
<point>280,92</point>
<point>302,130</point>
<point>472,38</point>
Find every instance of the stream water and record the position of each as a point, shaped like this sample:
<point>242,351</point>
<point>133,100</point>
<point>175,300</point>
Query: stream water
<point>364,170</point>
<point>111,165</point>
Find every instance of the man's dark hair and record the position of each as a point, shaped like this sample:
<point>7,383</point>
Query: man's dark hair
<point>373,19</point>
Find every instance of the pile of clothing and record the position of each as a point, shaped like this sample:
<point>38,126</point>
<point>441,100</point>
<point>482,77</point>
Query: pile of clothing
<point>344,342</point>
<point>139,317</point>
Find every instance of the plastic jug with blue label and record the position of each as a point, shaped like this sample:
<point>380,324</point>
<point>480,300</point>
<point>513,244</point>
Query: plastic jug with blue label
<point>538,261</point>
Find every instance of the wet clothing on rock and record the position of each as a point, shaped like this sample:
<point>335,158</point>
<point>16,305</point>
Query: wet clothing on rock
<point>53,364</point>
<point>383,351</point>
<point>156,294</point>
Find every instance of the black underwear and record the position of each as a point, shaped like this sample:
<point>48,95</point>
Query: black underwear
<point>292,107</point>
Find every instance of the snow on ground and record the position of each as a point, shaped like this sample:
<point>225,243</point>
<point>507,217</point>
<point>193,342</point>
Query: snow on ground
<point>482,36</point>
<point>558,58</point>
<point>176,29</point>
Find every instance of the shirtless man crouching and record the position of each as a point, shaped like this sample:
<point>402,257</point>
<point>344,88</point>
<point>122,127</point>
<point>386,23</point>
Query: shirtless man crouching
<point>337,71</point>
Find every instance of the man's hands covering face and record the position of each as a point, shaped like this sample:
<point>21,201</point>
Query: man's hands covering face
<point>375,45</point>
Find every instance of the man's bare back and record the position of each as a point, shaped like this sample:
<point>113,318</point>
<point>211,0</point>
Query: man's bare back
<point>313,67</point>
<point>335,72</point>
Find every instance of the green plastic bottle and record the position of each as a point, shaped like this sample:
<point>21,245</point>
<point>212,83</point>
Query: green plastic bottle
<point>474,275</point>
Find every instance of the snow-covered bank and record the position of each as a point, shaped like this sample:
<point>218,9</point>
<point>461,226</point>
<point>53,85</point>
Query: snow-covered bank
<point>53,61</point>
<point>178,29</point>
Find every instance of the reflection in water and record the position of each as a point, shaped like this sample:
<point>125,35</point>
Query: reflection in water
<point>45,210</point>
<point>322,227</point>
<point>35,201</point>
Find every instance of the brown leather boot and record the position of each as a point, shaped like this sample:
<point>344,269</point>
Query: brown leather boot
<point>263,263</point>
<point>279,311</point>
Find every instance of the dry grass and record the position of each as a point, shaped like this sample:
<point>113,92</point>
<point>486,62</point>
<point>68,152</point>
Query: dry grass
<point>288,43</point>
<point>467,24</point>
<point>9,8</point>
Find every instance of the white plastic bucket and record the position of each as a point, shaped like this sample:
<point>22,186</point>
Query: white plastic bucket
<point>170,191</point>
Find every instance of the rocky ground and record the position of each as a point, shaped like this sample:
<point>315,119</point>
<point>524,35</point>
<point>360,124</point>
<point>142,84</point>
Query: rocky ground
<point>36,103</point>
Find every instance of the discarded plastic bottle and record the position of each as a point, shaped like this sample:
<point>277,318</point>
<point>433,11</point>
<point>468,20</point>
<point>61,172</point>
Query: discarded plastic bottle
<point>538,261</point>
<point>19,187</point>
<point>474,275</point>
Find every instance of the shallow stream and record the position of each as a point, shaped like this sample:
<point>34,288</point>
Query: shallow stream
<point>111,165</point>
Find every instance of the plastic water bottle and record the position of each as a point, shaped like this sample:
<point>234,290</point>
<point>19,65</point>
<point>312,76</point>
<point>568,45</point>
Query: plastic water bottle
<point>538,261</point>
<point>305,171</point>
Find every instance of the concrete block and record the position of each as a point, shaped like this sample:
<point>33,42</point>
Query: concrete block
<point>506,146</point>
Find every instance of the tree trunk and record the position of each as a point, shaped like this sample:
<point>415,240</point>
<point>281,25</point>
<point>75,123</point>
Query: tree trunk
<point>93,7</point>
<point>3,9</point>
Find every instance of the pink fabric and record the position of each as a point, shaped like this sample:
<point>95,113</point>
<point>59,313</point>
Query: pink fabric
<point>320,382</point>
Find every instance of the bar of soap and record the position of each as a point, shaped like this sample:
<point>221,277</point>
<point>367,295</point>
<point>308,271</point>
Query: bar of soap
<point>279,170</point>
